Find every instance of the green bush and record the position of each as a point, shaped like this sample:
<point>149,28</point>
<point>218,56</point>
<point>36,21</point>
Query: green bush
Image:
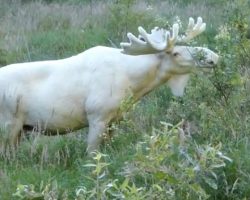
<point>167,165</point>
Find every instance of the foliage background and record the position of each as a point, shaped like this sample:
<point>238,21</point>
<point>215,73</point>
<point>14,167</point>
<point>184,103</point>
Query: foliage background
<point>195,147</point>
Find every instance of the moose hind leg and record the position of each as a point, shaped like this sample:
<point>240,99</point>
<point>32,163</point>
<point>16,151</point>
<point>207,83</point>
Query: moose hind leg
<point>15,133</point>
<point>11,132</point>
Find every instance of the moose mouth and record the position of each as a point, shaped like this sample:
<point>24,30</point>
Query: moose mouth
<point>206,68</point>
<point>206,65</point>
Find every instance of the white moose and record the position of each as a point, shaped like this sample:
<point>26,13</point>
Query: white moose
<point>60,96</point>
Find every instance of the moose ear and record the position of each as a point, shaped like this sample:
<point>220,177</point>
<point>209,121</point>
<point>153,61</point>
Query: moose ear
<point>177,84</point>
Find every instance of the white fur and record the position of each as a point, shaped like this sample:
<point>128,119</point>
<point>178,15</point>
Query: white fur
<point>178,83</point>
<point>87,89</point>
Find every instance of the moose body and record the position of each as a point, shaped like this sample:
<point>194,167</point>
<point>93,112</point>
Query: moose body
<point>88,89</point>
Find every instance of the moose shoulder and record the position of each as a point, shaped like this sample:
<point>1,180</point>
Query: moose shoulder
<point>88,89</point>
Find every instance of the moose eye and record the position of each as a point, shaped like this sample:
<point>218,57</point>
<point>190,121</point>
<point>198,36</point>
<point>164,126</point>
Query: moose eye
<point>175,54</point>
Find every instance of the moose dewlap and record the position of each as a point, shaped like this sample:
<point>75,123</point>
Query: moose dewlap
<point>87,89</point>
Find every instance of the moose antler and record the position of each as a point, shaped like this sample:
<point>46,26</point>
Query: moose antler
<point>160,39</point>
<point>193,30</point>
<point>146,43</point>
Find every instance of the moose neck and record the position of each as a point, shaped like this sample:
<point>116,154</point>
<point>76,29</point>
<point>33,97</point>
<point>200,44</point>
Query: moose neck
<point>147,74</point>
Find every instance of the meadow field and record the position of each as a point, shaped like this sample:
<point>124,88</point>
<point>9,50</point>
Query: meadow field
<point>166,148</point>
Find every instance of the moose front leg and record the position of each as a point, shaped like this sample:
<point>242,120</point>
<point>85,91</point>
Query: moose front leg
<point>99,116</point>
<point>95,134</point>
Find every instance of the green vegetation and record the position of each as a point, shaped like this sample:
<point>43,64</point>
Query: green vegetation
<point>194,147</point>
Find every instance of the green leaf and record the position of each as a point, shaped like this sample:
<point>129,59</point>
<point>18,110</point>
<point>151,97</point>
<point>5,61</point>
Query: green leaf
<point>90,165</point>
<point>124,184</point>
<point>211,182</point>
<point>171,179</point>
<point>159,188</point>
<point>159,175</point>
